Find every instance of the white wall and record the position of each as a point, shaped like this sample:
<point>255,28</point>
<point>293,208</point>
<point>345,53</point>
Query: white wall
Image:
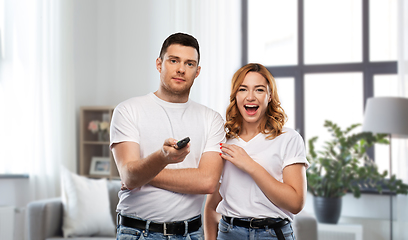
<point>116,45</point>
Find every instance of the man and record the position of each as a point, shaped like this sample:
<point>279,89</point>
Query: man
<point>164,187</point>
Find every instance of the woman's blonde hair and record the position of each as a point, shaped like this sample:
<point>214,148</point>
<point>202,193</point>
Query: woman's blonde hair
<point>274,118</point>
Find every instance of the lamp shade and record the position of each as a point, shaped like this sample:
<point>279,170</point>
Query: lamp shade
<point>387,115</point>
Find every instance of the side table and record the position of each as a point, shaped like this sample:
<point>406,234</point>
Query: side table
<point>7,222</point>
<point>340,231</point>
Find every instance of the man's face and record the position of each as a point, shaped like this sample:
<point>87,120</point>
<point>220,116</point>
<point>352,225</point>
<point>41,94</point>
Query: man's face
<point>178,69</point>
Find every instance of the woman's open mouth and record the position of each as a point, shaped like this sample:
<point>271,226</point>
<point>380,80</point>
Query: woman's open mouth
<point>251,109</point>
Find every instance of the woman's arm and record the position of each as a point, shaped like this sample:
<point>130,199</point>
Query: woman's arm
<point>211,217</point>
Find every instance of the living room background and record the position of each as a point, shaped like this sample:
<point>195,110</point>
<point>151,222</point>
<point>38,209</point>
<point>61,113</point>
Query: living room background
<point>101,52</point>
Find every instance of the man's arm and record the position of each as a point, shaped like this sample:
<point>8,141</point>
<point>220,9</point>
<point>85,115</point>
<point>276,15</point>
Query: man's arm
<point>201,180</point>
<point>136,172</point>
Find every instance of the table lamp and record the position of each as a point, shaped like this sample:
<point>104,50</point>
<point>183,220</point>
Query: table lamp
<point>387,115</point>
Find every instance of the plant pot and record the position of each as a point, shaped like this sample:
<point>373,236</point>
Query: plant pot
<point>327,210</point>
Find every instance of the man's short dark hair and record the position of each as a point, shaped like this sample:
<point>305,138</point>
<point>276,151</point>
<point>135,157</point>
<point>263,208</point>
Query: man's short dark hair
<point>182,39</point>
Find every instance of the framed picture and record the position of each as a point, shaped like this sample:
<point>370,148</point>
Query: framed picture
<point>100,166</point>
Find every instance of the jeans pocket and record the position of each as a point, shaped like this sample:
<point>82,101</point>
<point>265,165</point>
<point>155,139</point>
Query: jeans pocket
<point>197,235</point>
<point>223,226</point>
<point>287,232</point>
<point>126,233</point>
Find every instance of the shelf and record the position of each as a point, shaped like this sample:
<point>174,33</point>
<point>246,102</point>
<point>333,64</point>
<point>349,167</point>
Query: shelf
<point>96,143</point>
<point>94,153</point>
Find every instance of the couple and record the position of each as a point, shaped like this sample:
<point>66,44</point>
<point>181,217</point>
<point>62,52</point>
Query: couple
<point>263,182</point>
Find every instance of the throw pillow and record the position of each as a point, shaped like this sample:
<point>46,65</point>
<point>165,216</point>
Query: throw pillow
<point>86,206</point>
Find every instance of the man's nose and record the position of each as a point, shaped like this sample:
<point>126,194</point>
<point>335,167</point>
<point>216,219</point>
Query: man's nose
<point>181,69</point>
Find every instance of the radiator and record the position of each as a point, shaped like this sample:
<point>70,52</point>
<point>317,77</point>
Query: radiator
<point>6,222</point>
<point>340,232</point>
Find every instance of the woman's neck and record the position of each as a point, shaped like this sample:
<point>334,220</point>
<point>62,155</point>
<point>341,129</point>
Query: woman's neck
<point>249,131</point>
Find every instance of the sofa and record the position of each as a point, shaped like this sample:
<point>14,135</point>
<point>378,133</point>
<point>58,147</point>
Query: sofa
<point>44,219</point>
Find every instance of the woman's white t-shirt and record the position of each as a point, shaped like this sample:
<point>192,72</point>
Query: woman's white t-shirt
<point>242,198</point>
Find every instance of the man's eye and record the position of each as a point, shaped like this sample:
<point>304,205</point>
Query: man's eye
<point>173,61</point>
<point>190,64</point>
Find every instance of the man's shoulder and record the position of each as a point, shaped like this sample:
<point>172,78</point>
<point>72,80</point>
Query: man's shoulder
<point>207,111</point>
<point>201,107</point>
<point>134,101</point>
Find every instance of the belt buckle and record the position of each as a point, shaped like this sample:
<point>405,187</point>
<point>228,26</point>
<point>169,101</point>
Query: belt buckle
<point>165,230</point>
<point>250,223</point>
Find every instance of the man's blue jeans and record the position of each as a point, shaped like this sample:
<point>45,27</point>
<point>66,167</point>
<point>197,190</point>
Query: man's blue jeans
<point>228,231</point>
<point>127,233</point>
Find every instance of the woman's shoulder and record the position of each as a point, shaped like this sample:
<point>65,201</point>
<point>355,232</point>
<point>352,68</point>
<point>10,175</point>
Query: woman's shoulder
<point>290,133</point>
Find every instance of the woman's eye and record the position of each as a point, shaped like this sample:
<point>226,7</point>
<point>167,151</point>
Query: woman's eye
<point>241,89</point>
<point>260,90</point>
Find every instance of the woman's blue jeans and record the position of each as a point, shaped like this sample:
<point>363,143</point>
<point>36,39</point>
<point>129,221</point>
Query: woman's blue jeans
<point>228,231</point>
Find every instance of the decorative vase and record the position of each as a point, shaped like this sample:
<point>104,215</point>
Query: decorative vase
<point>327,210</point>
<point>103,136</point>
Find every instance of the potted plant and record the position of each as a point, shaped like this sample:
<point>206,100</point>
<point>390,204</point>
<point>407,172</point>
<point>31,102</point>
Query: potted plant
<point>344,166</point>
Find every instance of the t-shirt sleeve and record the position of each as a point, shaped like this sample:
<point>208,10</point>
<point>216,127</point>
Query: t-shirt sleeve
<point>123,126</point>
<point>295,151</point>
<point>216,133</point>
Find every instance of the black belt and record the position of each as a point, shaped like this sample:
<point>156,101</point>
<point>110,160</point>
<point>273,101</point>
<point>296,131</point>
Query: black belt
<point>170,228</point>
<point>260,223</point>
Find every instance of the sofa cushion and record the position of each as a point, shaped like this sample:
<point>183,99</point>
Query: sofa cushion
<point>113,189</point>
<point>86,206</point>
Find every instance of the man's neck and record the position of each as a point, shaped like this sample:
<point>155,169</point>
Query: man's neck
<point>173,98</point>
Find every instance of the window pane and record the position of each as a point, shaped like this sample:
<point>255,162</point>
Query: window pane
<point>385,86</point>
<point>383,30</point>
<point>335,97</point>
<point>333,31</point>
<point>286,92</point>
<point>272,32</point>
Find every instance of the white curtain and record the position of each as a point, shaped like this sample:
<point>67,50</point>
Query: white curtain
<point>401,156</point>
<point>217,27</point>
<point>37,123</point>
<point>402,144</point>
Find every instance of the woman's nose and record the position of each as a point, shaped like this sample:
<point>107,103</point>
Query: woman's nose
<point>250,96</point>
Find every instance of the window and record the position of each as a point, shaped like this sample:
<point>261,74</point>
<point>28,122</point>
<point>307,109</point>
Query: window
<point>328,57</point>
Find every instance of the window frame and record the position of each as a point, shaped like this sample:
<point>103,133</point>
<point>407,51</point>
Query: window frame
<point>298,72</point>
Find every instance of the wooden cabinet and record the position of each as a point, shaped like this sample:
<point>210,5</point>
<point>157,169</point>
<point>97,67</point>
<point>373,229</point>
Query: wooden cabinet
<point>96,159</point>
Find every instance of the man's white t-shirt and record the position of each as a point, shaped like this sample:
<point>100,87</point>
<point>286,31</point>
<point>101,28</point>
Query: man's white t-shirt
<point>149,121</point>
<point>242,198</point>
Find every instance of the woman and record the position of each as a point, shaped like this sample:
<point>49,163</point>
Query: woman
<point>264,179</point>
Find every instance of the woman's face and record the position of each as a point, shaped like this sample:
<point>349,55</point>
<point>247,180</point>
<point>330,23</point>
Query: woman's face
<point>253,97</point>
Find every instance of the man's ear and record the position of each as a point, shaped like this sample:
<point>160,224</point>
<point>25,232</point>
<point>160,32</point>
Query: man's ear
<point>159,64</point>
<point>198,71</point>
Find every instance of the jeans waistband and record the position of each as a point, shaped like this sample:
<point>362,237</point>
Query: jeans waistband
<point>167,228</point>
<point>257,222</point>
